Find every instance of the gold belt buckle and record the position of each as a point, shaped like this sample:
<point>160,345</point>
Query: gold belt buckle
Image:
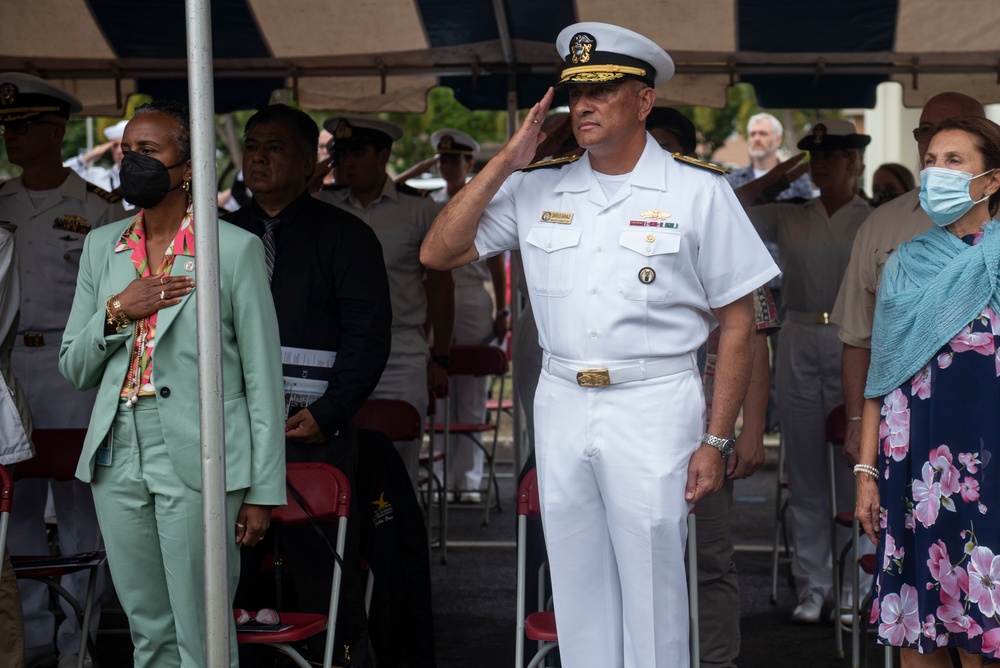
<point>823,318</point>
<point>593,378</point>
<point>34,339</point>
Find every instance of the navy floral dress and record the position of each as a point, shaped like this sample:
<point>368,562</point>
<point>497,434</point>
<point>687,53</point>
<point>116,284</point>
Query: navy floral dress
<point>937,581</point>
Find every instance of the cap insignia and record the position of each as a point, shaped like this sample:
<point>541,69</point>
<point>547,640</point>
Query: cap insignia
<point>343,130</point>
<point>446,143</point>
<point>580,47</point>
<point>7,93</point>
<point>818,133</point>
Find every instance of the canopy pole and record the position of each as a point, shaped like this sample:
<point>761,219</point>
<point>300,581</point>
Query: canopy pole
<point>217,533</point>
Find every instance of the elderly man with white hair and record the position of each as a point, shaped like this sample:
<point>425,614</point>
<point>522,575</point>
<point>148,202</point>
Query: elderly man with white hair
<point>764,137</point>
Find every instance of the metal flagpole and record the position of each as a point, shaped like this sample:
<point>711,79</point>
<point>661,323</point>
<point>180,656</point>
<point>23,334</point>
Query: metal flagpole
<point>216,532</point>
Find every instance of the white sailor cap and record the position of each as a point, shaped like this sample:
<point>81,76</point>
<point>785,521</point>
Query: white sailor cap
<point>23,97</point>
<point>356,131</point>
<point>115,132</point>
<point>601,52</point>
<point>828,134</point>
<point>449,141</point>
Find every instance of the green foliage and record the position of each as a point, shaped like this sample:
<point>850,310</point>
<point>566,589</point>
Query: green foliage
<point>443,111</point>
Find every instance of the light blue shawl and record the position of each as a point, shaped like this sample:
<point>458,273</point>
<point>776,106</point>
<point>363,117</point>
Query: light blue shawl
<point>932,287</point>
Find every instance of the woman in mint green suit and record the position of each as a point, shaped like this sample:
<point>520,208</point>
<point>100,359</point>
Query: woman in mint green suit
<point>132,333</point>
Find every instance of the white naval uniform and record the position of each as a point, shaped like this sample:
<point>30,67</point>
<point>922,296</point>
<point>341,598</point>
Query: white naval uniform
<point>108,178</point>
<point>814,249</point>
<point>612,461</point>
<point>400,220</point>
<point>473,326</point>
<point>48,243</point>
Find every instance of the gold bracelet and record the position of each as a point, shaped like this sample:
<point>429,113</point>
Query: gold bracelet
<point>118,317</point>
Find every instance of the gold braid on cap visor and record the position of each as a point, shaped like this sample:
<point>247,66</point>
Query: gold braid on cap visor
<point>599,73</point>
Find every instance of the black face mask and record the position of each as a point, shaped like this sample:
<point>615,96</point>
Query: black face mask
<point>145,180</point>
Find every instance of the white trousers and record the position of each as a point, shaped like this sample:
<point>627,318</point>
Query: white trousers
<point>77,520</point>
<point>467,395</point>
<point>612,467</point>
<point>808,388</point>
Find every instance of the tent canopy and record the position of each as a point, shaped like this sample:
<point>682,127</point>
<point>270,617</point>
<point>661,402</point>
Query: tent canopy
<point>383,55</point>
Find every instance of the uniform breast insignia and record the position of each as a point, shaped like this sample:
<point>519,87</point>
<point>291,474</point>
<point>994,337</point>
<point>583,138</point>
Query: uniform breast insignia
<point>557,217</point>
<point>555,162</point>
<point>647,275</point>
<point>112,197</point>
<point>704,165</point>
<point>75,224</point>
<point>653,218</point>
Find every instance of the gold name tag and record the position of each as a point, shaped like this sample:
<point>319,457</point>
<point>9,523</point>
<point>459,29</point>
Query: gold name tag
<point>557,217</point>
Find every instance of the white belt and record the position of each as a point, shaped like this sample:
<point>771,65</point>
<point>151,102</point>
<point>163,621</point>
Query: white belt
<point>618,372</point>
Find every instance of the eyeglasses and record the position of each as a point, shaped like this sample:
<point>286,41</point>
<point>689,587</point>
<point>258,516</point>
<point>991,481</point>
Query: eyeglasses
<point>21,127</point>
<point>924,132</point>
<point>264,616</point>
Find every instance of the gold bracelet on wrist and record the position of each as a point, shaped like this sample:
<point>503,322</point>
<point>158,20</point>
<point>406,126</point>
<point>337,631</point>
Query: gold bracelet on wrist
<point>116,316</point>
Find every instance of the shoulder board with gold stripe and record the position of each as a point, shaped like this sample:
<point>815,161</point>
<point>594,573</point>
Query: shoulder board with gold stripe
<point>555,162</point>
<point>704,165</point>
<point>112,197</point>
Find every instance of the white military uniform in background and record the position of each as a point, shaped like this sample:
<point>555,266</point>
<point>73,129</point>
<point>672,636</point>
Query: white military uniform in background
<point>51,227</point>
<point>400,219</point>
<point>627,282</point>
<point>473,326</point>
<point>815,249</point>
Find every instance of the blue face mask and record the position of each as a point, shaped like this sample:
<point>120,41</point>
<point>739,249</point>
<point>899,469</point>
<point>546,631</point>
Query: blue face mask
<point>944,194</point>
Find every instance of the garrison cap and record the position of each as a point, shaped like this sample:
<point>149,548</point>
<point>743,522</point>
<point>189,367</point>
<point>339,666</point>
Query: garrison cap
<point>115,132</point>
<point>448,141</point>
<point>24,97</point>
<point>351,132</point>
<point>601,52</point>
<point>828,134</point>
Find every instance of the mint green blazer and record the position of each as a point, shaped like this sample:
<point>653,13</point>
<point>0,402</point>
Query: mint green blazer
<point>251,362</point>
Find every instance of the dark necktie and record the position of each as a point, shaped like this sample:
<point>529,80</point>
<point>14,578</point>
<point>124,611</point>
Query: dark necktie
<point>270,226</point>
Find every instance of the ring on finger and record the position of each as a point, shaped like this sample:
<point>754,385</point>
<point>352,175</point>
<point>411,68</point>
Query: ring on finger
<point>163,294</point>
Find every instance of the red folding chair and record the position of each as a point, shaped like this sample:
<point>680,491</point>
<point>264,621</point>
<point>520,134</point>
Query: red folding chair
<point>540,627</point>
<point>56,454</point>
<point>325,496</point>
<point>477,361</point>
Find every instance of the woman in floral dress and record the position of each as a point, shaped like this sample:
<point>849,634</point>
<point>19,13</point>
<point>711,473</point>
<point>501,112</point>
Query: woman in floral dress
<point>927,488</point>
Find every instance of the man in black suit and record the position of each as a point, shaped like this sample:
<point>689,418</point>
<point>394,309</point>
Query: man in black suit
<point>331,295</point>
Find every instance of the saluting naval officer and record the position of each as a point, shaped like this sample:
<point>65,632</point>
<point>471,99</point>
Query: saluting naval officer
<point>53,210</point>
<point>631,257</point>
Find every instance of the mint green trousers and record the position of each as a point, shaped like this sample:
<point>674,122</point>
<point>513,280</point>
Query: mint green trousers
<point>152,527</point>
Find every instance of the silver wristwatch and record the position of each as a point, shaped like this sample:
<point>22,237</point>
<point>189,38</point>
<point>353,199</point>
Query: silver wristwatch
<point>723,445</point>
